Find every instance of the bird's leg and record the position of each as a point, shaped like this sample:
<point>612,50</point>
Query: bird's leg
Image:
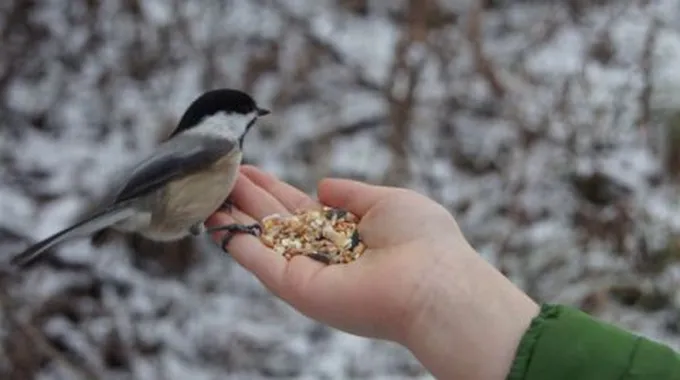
<point>233,229</point>
<point>227,206</point>
<point>197,229</point>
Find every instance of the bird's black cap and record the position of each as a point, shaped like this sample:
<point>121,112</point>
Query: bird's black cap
<point>220,100</point>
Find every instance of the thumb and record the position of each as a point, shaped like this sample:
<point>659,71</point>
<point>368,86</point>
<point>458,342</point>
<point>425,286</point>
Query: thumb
<point>353,196</point>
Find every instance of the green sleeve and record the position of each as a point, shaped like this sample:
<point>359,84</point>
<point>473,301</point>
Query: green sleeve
<point>565,343</point>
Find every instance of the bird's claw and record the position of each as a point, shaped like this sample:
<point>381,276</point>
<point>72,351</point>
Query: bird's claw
<point>227,206</point>
<point>233,229</point>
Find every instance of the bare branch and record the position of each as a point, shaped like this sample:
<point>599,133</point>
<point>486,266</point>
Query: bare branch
<point>401,108</point>
<point>646,67</point>
<point>328,48</point>
<point>482,63</point>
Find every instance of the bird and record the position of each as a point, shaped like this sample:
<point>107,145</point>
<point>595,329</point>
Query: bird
<point>169,194</point>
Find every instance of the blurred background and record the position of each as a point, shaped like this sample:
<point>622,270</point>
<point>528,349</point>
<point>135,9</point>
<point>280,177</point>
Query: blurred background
<point>549,128</point>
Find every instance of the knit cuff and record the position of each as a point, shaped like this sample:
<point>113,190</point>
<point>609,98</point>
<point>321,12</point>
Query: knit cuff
<point>527,344</point>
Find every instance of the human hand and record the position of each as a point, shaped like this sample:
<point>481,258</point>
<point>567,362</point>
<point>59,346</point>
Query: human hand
<point>379,295</point>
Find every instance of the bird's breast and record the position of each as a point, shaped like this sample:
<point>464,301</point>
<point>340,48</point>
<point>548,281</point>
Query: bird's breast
<point>192,199</point>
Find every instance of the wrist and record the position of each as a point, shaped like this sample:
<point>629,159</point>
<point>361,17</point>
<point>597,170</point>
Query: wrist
<point>469,319</point>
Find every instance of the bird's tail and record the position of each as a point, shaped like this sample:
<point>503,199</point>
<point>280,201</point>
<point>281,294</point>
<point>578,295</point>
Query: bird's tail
<point>94,223</point>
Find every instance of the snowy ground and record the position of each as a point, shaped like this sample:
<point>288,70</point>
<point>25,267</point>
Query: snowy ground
<point>548,130</point>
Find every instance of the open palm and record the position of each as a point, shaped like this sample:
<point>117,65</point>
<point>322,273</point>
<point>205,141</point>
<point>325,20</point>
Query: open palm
<point>406,235</point>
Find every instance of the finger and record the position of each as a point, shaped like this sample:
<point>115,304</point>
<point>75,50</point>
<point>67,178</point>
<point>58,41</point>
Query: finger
<point>296,281</point>
<point>353,196</point>
<point>255,201</point>
<point>268,266</point>
<point>292,198</point>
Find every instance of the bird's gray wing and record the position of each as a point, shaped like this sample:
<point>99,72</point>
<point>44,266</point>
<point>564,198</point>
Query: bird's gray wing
<point>171,160</point>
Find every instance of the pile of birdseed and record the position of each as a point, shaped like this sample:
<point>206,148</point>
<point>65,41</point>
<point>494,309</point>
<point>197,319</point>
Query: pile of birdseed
<point>328,235</point>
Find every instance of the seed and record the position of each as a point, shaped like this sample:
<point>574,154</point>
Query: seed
<point>328,235</point>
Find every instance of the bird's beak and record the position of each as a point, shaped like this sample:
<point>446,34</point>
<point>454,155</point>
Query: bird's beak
<point>263,112</point>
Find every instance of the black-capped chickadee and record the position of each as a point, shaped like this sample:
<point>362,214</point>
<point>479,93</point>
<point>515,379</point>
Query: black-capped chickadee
<point>169,195</point>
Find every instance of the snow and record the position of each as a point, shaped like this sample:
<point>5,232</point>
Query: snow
<point>556,183</point>
<point>348,154</point>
